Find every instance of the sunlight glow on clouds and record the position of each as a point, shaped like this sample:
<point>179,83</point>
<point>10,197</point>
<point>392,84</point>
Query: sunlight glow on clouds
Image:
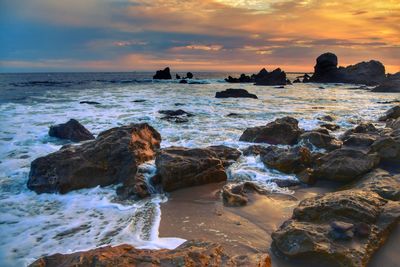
<point>196,34</point>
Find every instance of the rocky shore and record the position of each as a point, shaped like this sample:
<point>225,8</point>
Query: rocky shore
<point>345,205</point>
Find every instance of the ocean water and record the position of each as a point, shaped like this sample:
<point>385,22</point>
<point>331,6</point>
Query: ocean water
<point>33,225</point>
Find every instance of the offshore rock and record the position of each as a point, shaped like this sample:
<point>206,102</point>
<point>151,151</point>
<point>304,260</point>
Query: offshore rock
<point>164,74</point>
<point>235,93</point>
<point>71,130</point>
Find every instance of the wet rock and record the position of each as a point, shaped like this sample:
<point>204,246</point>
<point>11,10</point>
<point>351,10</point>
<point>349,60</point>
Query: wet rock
<point>189,254</point>
<point>392,113</point>
<point>388,149</point>
<point>344,165</point>
<point>180,167</point>
<point>362,128</point>
<point>189,75</point>
<point>275,77</point>
<point>381,182</point>
<point>235,195</point>
<point>228,155</point>
<point>281,131</point>
<point>89,102</point>
<point>320,225</point>
<point>360,140</point>
<point>393,124</point>
<point>111,158</point>
<point>164,74</point>
<point>135,188</point>
<point>254,150</point>
<point>71,130</point>
<point>307,176</point>
<point>329,118</point>
<point>287,160</point>
<point>391,84</point>
<point>326,71</point>
<point>320,140</point>
<point>235,93</point>
<point>177,116</point>
<point>330,126</point>
<point>139,100</point>
<point>183,81</point>
<point>297,80</point>
<point>285,182</point>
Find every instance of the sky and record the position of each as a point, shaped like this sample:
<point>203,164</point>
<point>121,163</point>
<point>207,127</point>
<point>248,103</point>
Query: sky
<point>195,35</point>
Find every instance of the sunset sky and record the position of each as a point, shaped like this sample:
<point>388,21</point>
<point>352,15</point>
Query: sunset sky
<point>189,35</point>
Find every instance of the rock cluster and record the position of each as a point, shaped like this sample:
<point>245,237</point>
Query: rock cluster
<point>190,253</point>
<point>263,77</point>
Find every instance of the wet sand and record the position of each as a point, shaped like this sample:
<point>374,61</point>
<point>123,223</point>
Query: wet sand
<point>198,212</point>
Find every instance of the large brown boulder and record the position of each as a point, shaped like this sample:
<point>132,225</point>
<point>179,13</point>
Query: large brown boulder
<point>110,159</point>
<point>287,160</point>
<point>343,228</point>
<point>180,167</point>
<point>281,131</point>
<point>388,149</point>
<point>320,140</point>
<point>71,130</point>
<point>194,253</point>
<point>344,165</point>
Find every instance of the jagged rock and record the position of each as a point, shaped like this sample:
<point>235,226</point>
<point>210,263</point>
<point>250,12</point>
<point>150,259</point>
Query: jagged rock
<point>388,149</point>
<point>177,76</point>
<point>391,84</point>
<point>111,158</point>
<point>242,79</point>
<point>275,77</point>
<point>235,195</point>
<point>361,140</point>
<point>180,167</point>
<point>330,126</point>
<point>322,227</point>
<point>287,160</point>
<point>363,128</point>
<point>281,131</point>
<point>189,254</point>
<point>135,188</point>
<point>392,113</point>
<point>164,74</point>
<point>344,165</point>
<point>228,155</point>
<point>71,130</point>
<point>381,182</point>
<point>236,93</point>
<point>326,71</point>
<point>320,140</point>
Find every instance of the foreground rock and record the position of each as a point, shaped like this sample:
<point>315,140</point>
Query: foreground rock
<point>71,130</point>
<point>110,159</point>
<point>326,71</point>
<point>328,226</point>
<point>281,131</point>
<point>180,167</point>
<point>136,188</point>
<point>389,85</point>
<point>344,165</point>
<point>320,139</point>
<point>236,195</point>
<point>392,113</point>
<point>164,74</point>
<point>235,93</point>
<point>388,149</point>
<point>189,254</point>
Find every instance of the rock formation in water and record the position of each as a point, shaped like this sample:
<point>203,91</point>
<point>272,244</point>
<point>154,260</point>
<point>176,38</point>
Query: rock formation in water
<point>235,93</point>
<point>164,74</point>
<point>111,158</point>
<point>391,84</point>
<point>326,71</point>
<point>71,130</point>
<point>263,77</point>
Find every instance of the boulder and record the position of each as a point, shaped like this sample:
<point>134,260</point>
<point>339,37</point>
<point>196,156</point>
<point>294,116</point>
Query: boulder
<point>191,253</point>
<point>235,93</point>
<point>235,195</point>
<point>164,74</point>
<point>391,84</point>
<point>326,71</point>
<point>320,140</point>
<point>287,160</point>
<point>363,128</point>
<point>344,165</point>
<point>177,116</point>
<point>281,131</point>
<point>388,149</point>
<point>359,140</point>
<point>275,77</point>
<point>327,227</point>
<point>381,182</point>
<point>330,126</point>
<point>189,75</point>
<point>392,113</point>
<point>228,155</point>
<point>136,188</point>
<point>71,130</point>
<point>180,167</point>
<point>111,158</point>
<point>329,118</point>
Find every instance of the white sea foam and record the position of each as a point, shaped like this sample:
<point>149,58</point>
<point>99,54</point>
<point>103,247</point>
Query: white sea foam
<point>32,224</point>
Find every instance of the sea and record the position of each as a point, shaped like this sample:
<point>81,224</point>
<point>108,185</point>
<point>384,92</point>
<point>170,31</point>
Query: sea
<point>33,225</point>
